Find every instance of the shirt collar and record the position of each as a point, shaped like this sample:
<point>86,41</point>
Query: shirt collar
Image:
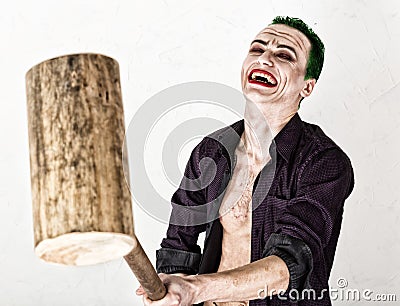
<point>285,141</point>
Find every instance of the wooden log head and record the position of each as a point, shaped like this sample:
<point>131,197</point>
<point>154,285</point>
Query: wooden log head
<point>81,202</point>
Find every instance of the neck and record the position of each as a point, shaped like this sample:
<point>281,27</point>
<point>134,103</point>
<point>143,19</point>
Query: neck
<point>262,124</point>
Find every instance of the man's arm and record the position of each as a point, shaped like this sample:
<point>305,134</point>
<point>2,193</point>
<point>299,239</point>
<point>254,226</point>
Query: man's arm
<point>258,279</point>
<point>179,251</point>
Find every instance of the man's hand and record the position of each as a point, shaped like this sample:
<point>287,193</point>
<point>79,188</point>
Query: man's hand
<point>239,284</point>
<point>180,291</point>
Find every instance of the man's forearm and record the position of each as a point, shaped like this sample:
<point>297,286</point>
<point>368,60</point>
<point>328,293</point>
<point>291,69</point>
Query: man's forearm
<point>243,283</point>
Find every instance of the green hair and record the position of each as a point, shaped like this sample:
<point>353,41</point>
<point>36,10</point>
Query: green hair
<point>316,58</point>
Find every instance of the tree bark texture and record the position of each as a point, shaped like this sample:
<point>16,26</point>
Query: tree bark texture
<point>81,201</point>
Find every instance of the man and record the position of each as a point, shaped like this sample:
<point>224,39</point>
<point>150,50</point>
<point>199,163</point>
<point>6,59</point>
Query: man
<point>273,239</point>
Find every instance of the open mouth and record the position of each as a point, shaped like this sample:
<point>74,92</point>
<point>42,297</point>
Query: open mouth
<point>262,77</point>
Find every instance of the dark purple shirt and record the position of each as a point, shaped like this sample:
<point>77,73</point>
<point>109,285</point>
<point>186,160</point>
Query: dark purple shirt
<point>297,201</point>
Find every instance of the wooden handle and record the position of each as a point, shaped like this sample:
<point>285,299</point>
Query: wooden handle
<point>145,273</point>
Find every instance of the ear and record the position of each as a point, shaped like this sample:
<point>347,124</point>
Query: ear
<point>308,87</point>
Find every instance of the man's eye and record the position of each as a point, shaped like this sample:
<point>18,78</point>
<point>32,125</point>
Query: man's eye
<point>284,56</point>
<point>256,50</point>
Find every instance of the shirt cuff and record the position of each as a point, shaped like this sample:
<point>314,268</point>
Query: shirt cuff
<point>298,258</point>
<point>177,261</point>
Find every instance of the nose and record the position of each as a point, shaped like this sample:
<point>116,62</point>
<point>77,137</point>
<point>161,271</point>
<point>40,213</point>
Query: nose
<point>266,58</point>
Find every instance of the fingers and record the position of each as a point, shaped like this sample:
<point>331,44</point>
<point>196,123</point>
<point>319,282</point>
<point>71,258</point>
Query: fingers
<point>140,291</point>
<point>166,301</point>
<point>147,301</point>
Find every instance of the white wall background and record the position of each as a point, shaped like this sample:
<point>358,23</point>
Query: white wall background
<point>160,43</point>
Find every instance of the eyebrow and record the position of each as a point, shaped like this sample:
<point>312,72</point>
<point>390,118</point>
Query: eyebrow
<point>279,46</point>
<point>288,47</point>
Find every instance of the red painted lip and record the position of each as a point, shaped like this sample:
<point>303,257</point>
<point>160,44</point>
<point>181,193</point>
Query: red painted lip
<point>261,83</point>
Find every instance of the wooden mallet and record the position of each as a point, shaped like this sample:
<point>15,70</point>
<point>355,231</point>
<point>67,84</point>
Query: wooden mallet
<point>82,207</point>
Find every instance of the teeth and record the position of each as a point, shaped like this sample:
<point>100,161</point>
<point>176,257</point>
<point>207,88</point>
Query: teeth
<point>263,75</point>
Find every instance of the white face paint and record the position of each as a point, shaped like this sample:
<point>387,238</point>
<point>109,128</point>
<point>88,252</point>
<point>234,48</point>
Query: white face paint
<point>275,66</point>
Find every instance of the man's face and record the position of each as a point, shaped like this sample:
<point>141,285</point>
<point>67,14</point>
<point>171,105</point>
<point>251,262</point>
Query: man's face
<point>275,66</point>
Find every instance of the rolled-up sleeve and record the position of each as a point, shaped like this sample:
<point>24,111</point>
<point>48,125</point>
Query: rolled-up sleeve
<point>297,256</point>
<point>305,223</point>
<point>177,261</point>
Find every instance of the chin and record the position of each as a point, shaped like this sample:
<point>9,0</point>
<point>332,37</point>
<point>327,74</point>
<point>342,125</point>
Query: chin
<point>257,96</point>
